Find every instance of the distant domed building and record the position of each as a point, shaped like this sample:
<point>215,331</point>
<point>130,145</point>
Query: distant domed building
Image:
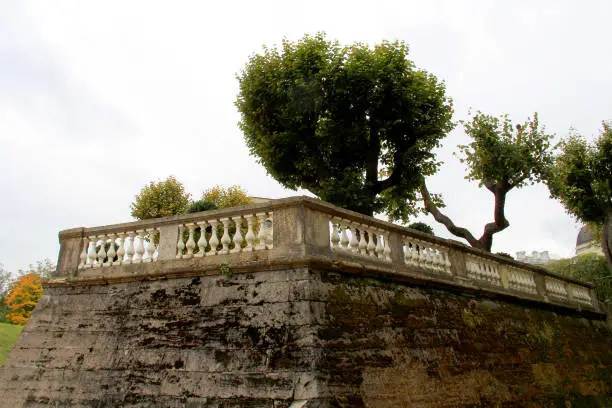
<point>586,242</point>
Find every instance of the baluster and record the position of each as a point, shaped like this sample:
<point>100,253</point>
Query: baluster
<point>430,257</point>
<point>110,255</point>
<point>354,244</point>
<point>250,235</point>
<point>335,238</point>
<point>101,253</point>
<point>411,251</point>
<point>439,259</point>
<point>91,252</point>
<point>422,260</point>
<point>225,239</point>
<point>413,254</point>
<point>238,235</point>
<point>270,231</point>
<point>380,248</point>
<point>407,251</point>
<point>190,241</point>
<point>83,256</point>
<point>180,243</point>
<point>156,252</point>
<point>435,257</point>
<point>150,247</point>
<point>121,250</point>
<point>139,247</point>
<point>362,241</point>
<point>129,248</point>
<point>472,269</point>
<point>202,241</point>
<point>214,241</point>
<point>387,250</point>
<point>371,245</point>
<point>261,235</point>
<point>344,239</point>
<point>447,264</point>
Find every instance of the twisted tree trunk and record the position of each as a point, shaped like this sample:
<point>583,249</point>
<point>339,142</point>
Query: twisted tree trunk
<point>500,223</point>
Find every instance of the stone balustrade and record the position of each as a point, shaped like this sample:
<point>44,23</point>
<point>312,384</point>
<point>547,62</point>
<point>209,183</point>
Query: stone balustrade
<point>302,231</point>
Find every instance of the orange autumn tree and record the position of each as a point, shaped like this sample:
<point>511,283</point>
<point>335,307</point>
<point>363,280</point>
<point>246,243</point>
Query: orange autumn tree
<point>22,297</point>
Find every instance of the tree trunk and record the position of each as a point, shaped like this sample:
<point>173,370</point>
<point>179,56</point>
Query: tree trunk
<point>485,242</point>
<point>606,237</point>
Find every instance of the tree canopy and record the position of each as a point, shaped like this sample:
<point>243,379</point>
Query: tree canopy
<point>581,178</point>
<point>160,199</point>
<point>332,119</point>
<point>22,297</point>
<point>422,227</point>
<point>24,292</point>
<point>224,197</point>
<point>500,157</point>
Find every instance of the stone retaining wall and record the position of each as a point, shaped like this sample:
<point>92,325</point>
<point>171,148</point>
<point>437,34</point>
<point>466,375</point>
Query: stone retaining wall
<point>302,337</point>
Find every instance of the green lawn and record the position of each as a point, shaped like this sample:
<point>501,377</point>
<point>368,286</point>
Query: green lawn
<point>8,336</point>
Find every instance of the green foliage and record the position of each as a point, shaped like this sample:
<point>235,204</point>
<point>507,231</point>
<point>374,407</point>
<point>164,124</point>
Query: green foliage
<point>202,205</point>
<point>226,197</point>
<point>503,153</point>
<point>581,179</point>
<point>421,226</point>
<point>160,199</point>
<point>330,119</point>
<point>4,309</point>
<point>9,333</point>
<point>587,268</point>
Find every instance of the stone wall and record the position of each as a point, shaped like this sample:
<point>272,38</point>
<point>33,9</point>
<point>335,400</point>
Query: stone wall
<point>301,338</point>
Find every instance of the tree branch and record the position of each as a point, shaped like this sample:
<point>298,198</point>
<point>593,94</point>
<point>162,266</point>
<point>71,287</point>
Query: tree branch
<point>443,219</point>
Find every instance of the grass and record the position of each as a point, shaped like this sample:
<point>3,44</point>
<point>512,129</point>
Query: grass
<point>9,333</point>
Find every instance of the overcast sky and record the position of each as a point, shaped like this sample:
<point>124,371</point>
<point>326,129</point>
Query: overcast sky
<point>99,98</point>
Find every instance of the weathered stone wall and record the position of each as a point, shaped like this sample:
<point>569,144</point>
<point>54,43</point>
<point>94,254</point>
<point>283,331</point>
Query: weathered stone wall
<point>301,338</point>
<point>389,345</point>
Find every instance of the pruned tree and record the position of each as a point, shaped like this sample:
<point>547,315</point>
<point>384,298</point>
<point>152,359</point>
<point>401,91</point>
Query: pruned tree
<point>329,118</point>
<point>501,157</point>
<point>160,199</point>
<point>223,197</point>
<point>581,178</point>
<point>422,227</point>
<point>22,297</point>
<point>24,292</point>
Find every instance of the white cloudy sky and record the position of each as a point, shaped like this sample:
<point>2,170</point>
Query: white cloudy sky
<point>99,98</point>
